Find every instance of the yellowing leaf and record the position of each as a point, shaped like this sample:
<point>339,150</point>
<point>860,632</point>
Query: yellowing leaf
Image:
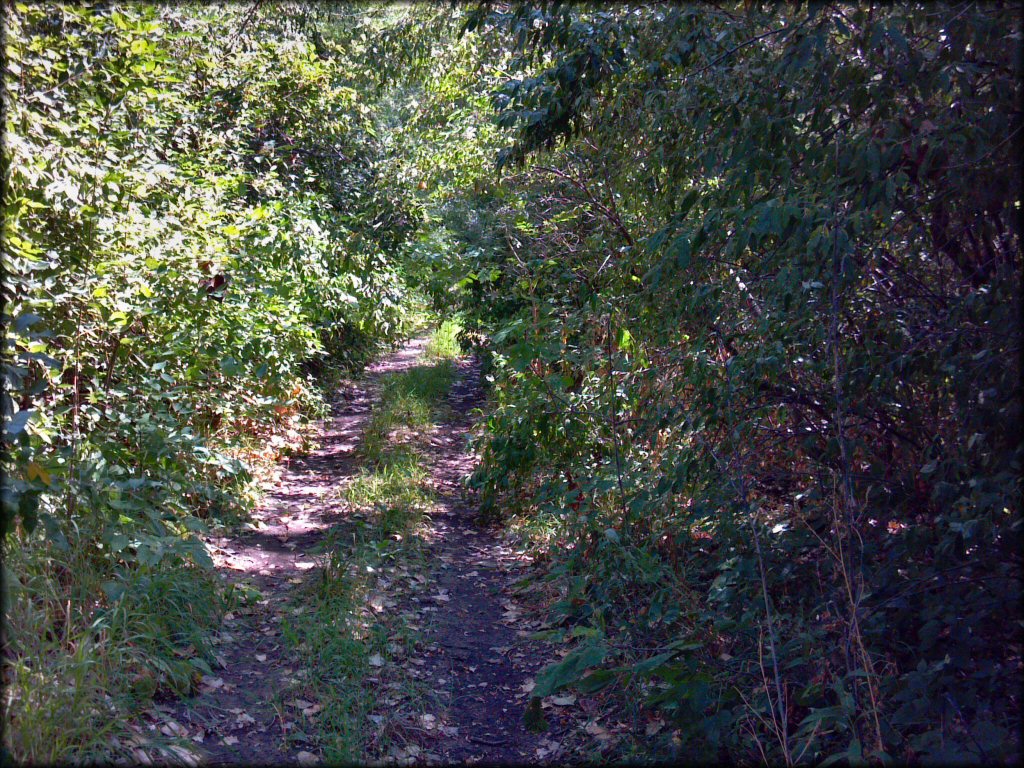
<point>36,472</point>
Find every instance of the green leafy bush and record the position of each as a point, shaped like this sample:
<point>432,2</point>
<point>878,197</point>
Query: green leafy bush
<point>756,363</point>
<point>187,243</point>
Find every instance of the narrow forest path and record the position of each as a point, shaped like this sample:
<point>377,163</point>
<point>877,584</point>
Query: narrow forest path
<point>476,636</point>
<point>472,658</point>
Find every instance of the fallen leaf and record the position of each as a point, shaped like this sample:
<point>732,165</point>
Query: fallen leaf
<point>261,657</point>
<point>307,758</point>
<point>229,741</point>
<point>563,701</point>
<point>172,728</point>
<point>376,660</point>
<point>653,727</point>
<point>186,756</point>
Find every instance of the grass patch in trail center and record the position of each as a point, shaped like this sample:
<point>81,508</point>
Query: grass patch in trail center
<point>360,695</point>
<point>341,629</point>
<point>408,407</point>
<point>444,341</point>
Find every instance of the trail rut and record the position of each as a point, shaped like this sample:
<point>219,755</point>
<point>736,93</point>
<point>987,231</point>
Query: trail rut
<point>474,655</point>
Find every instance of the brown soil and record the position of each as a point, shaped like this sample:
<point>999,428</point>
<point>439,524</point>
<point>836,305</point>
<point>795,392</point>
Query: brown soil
<point>476,637</point>
<point>475,653</point>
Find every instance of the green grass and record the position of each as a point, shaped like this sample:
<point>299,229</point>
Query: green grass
<point>409,405</point>
<point>341,631</point>
<point>86,649</point>
<point>336,646</point>
<point>444,341</point>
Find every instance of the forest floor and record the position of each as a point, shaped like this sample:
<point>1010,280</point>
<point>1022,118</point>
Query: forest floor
<point>455,664</point>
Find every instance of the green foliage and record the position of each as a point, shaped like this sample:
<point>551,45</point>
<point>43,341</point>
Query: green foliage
<point>179,245</point>
<point>192,234</point>
<point>744,281</point>
<point>568,670</point>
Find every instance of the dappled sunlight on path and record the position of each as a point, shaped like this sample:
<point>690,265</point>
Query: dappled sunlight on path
<point>234,719</point>
<point>298,510</point>
<point>472,659</point>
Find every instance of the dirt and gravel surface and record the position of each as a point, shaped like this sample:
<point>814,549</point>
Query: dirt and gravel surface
<point>476,654</point>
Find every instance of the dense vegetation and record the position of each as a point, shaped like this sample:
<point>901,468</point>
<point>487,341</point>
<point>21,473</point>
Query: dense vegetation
<point>746,280</point>
<point>194,223</point>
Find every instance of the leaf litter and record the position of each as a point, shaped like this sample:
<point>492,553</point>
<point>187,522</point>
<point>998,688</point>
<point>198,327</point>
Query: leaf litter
<point>476,656</point>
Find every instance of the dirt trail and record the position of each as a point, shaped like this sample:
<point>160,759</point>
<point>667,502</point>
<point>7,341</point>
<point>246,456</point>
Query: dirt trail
<point>474,644</point>
<point>472,651</point>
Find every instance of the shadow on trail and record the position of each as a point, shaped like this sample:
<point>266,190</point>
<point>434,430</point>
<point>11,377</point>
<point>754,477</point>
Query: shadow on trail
<point>234,712</point>
<point>474,655</point>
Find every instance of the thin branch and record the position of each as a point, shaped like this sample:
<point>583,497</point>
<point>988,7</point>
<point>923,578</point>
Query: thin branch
<point>592,199</point>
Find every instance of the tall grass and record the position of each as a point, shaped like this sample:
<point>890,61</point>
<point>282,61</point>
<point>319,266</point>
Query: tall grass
<point>444,341</point>
<point>77,668</point>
